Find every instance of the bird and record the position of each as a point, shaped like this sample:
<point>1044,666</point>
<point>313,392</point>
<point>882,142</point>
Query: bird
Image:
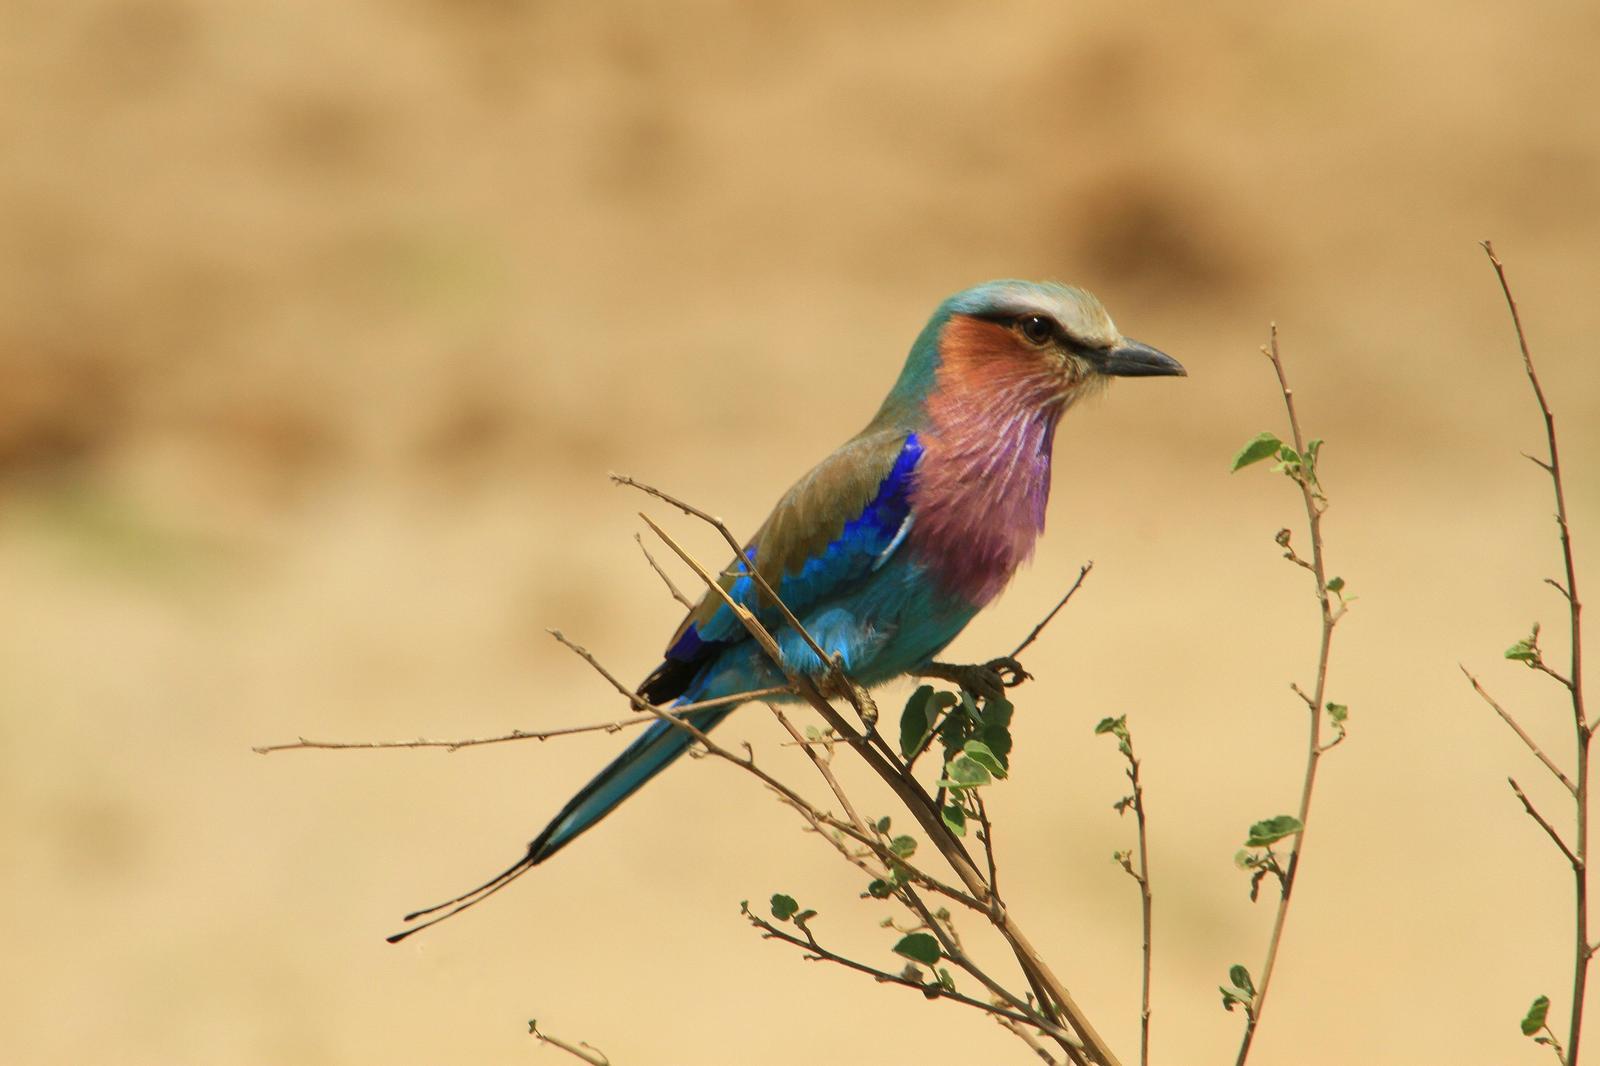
<point>887,548</point>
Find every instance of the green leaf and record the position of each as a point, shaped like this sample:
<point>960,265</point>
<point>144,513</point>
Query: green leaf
<point>979,752</point>
<point>1264,446</point>
<point>1337,713</point>
<point>1336,584</point>
<point>915,721</point>
<point>783,907</point>
<point>946,982</point>
<point>883,824</point>
<point>1272,830</point>
<point>918,947</point>
<point>1533,1021</point>
<point>964,772</point>
<point>1522,651</point>
<point>997,714</point>
<point>903,846</point>
<point>1110,725</point>
<point>955,818</point>
<point>880,889</point>
<point>1241,979</point>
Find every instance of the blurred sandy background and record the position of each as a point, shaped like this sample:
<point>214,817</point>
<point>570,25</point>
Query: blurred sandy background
<point>321,325</point>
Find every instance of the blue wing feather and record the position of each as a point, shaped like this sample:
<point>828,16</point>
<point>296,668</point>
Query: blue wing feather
<point>861,546</point>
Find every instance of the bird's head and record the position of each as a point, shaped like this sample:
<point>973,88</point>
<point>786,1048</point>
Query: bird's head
<point>1055,342</point>
<point>1044,328</point>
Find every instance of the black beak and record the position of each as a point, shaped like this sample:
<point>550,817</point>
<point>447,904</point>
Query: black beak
<point>1130,359</point>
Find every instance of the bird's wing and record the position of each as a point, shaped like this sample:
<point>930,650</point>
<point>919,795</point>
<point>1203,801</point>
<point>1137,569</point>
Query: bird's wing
<point>834,527</point>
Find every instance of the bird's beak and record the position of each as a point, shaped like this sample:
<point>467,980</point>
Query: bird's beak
<point>1130,359</point>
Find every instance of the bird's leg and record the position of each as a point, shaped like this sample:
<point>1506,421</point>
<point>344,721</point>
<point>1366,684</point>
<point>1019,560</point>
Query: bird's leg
<point>990,680</point>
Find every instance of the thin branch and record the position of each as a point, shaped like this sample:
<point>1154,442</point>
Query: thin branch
<point>1533,813</point>
<point>1315,504</point>
<point>1025,1034</point>
<point>1145,907</point>
<point>587,1052</point>
<point>987,829</point>
<point>1573,681</point>
<point>817,953</point>
<point>688,604</point>
<point>822,768</point>
<point>517,734</point>
<point>1083,572</point>
<point>1516,728</point>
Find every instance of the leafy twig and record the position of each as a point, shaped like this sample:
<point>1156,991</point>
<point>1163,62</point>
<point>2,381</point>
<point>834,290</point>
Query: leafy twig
<point>1300,464</point>
<point>932,989</point>
<point>1527,651</point>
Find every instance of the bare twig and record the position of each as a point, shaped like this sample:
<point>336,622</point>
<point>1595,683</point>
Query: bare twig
<point>1315,504</point>
<point>587,1052</point>
<point>671,588</point>
<point>1583,728</point>
<point>1516,728</point>
<point>1549,829</point>
<point>1083,572</point>
<point>1023,1033</point>
<point>517,734</point>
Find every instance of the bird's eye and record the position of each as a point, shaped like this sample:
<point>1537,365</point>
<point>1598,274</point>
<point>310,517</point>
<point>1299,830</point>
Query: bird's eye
<point>1037,328</point>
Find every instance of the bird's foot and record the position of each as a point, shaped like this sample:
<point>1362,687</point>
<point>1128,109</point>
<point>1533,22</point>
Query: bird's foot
<point>989,680</point>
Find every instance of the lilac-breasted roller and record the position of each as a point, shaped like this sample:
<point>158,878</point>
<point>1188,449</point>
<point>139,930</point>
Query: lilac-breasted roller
<point>890,545</point>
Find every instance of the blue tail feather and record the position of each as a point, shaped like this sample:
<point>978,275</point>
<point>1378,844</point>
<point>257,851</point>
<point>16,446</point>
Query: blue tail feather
<point>661,743</point>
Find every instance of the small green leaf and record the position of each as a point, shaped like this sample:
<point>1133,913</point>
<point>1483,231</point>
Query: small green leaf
<point>1336,584</point>
<point>918,947</point>
<point>917,717</point>
<point>880,889</point>
<point>1241,979</point>
<point>804,916</point>
<point>946,982</point>
<point>1264,446</point>
<point>883,824</point>
<point>997,713</point>
<point>903,846</point>
<point>1337,713</point>
<point>1533,1021</point>
<point>1110,725</point>
<point>1272,830</point>
<point>783,907</point>
<point>1522,651</point>
<point>955,818</point>
<point>964,772</point>
<point>979,752</point>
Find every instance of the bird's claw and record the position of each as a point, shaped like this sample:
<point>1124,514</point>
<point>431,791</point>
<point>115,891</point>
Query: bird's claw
<point>988,680</point>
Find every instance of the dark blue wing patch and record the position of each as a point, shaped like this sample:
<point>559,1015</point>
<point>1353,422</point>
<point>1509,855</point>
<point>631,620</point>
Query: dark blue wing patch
<point>859,548</point>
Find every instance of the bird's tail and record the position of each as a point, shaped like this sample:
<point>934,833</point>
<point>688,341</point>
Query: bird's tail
<point>659,745</point>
